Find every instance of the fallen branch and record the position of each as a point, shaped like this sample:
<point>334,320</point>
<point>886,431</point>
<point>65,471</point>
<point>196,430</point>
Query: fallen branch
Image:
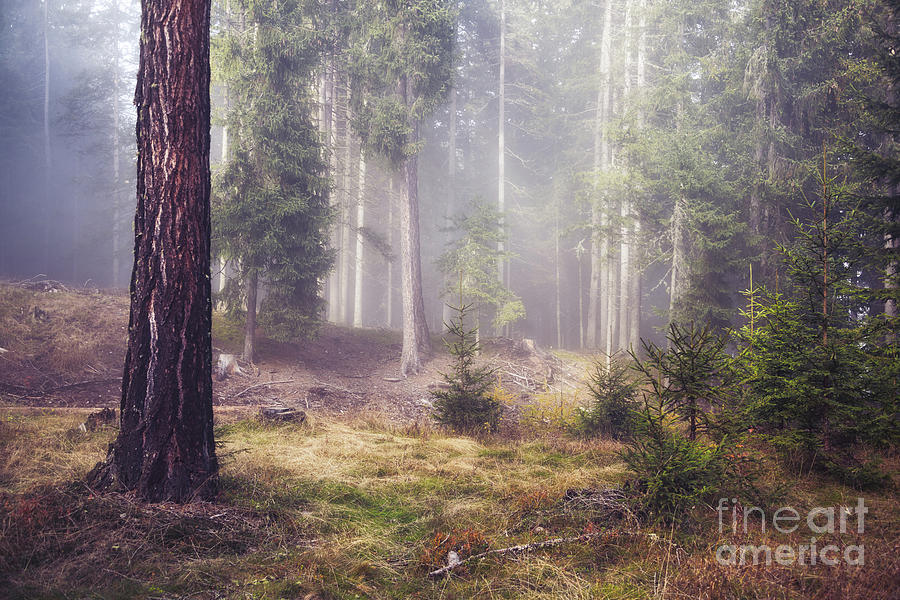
<point>336,387</point>
<point>80,383</point>
<point>522,548</point>
<point>259,385</point>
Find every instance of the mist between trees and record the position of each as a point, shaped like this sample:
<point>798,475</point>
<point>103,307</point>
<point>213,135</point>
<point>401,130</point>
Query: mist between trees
<point>587,172</point>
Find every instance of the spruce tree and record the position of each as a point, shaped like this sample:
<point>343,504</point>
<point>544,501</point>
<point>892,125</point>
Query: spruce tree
<point>466,404</point>
<point>271,210</point>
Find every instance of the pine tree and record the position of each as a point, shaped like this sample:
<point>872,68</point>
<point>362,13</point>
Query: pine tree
<point>165,448</point>
<point>271,211</point>
<point>400,65</point>
<point>467,404</point>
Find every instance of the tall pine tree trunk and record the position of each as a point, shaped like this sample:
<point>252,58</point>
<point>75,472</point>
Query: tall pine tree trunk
<point>48,163</point>
<point>415,329</point>
<point>390,266</point>
<point>116,204</point>
<point>597,306</point>
<point>446,313</point>
<point>501,146</point>
<point>165,448</point>
<point>358,258</point>
<point>343,315</point>
<point>250,324</point>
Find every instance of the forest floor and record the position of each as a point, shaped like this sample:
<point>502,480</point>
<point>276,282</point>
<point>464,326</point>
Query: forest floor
<point>64,348</point>
<point>366,497</point>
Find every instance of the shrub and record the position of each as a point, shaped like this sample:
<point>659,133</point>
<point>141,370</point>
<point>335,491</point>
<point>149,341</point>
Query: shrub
<point>673,472</point>
<point>612,403</point>
<point>467,404</point>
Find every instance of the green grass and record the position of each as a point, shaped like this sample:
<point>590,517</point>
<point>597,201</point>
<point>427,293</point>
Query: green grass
<point>340,510</point>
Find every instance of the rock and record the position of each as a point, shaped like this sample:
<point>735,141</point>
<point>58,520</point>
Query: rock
<point>95,421</point>
<point>282,413</point>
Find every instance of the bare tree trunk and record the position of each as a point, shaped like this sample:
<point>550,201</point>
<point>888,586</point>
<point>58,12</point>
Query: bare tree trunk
<point>415,329</point>
<point>330,126</point>
<point>446,313</point>
<point>48,163</point>
<point>678,270</point>
<point>597,306</point>
<point>116,204</point>
<point>556,201</point>
<point>501,145</point>
<point>346,217</point>
<point>360,224</point>
<point>390,266</point>
<point>165,448</point>
<point>634,337</point>
<point>250,324</point>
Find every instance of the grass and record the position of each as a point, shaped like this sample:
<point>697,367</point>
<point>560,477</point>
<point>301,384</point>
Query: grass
<point>338,509</point>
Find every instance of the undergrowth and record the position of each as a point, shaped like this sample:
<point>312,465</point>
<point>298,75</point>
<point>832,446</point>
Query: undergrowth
<point>364,510</point>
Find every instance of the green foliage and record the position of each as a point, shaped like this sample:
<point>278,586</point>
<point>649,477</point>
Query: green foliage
<point>818,375</point>
<point>467,404</point>
<point>271,211</point>
<point>475,258</point>
<point>400,63</point>
<point>610,412</point>
<point>674,473</point>
<point>691,377</point>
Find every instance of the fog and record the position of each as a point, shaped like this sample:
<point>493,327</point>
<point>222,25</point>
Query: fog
<point>651,158</point>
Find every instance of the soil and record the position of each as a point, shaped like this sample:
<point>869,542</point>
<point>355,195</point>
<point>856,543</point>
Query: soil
<point>340,372</point>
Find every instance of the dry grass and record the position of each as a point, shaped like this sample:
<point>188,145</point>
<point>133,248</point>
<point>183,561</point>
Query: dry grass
<point>59,336</point>
<point>334,509</point>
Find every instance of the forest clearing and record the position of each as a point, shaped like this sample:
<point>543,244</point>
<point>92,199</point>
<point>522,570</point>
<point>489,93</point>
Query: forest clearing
<point>365,498</point>
<point>320,299</point>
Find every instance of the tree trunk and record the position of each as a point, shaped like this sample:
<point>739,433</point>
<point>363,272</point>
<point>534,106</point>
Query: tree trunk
<point>250,323</point>
<point>331,147</point>
<point>165,448</point>
<point>390,266</point>
<point>678,272</point>
<point>597,306</point>
<point>48,163</point>
<point>358,258</point>
<point>116,204</point>
<point>501,145</point>
<point>446,312</point>
<point>415,329</point>
<point>634,336</point>
<point>343,315</point>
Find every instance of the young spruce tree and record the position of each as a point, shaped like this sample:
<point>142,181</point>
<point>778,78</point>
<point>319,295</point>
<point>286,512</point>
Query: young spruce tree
<point>466,404</point>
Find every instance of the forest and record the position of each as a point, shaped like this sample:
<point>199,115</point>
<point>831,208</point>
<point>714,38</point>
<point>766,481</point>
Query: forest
<point>449,298</point>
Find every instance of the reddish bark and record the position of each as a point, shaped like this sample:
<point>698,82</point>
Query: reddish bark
<point>165,448</point>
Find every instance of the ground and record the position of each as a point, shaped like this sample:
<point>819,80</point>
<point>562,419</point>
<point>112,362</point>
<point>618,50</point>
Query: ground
<point>65,348</point>
<point>366,497</point>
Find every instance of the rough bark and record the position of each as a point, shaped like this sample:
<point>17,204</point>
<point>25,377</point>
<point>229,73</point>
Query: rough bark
<point>415,329</point>
<point>678,271</point>
<point>165,448</point>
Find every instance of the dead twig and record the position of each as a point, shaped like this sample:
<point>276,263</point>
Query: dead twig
<point>522,548</point>
<point>259,385</point>
<point>80,383</point>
